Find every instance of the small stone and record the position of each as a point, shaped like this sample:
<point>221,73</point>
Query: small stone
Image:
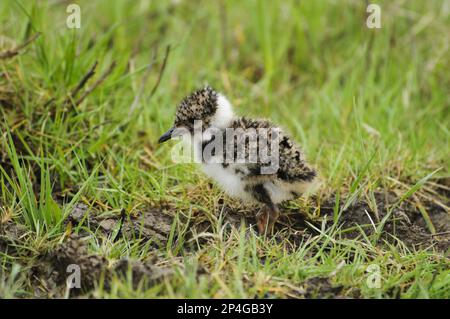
<point>107,224</point>
<point>78,212</point>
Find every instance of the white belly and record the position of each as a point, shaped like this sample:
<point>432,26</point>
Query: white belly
<point>230,183</point>
<point>282,191</point>
<point>278,192</point>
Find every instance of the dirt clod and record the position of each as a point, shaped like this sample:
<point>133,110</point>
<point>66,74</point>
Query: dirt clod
<point>145,272</point>
<point>10,236</point>
<point>153,224</point>
<point>54,268</point>
<point>321,287</point>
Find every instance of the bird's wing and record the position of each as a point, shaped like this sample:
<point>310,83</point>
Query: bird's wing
<point>286,163</point>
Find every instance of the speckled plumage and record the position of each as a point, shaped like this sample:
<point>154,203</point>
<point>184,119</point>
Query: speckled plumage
<point>246,180</point>
<point>293,166</point>
<point>200,105</point>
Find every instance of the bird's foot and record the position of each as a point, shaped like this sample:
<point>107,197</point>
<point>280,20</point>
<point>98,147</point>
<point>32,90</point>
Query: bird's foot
<point>262,221</point>
<point>266,219</point>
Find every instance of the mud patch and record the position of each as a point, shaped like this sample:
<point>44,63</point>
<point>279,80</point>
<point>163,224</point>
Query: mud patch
<point>405,222</point>
<point>52,270</point>
<point>11,235</point>
<point>153,224</point>
<point>322,288</point>
<point>316,288</point>
<point>142,272</point>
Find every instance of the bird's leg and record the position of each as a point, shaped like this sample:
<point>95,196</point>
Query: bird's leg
<point>274,214</point>
<point>262,220</point>
<point>266,218</point>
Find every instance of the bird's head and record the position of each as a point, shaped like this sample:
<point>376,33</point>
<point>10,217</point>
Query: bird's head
<point>204,106</point>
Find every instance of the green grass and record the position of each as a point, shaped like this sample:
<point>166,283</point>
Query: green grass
<point>370,107</point>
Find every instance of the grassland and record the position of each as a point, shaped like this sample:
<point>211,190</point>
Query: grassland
<point>83,181</point>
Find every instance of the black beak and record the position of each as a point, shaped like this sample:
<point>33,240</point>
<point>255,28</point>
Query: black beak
<point>166,136</point>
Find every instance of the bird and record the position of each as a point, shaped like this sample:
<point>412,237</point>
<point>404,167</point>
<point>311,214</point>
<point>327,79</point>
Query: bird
<point>271,168</point>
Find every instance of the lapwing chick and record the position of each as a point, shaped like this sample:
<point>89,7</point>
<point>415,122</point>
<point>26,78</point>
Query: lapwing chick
<point>251,159</point>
